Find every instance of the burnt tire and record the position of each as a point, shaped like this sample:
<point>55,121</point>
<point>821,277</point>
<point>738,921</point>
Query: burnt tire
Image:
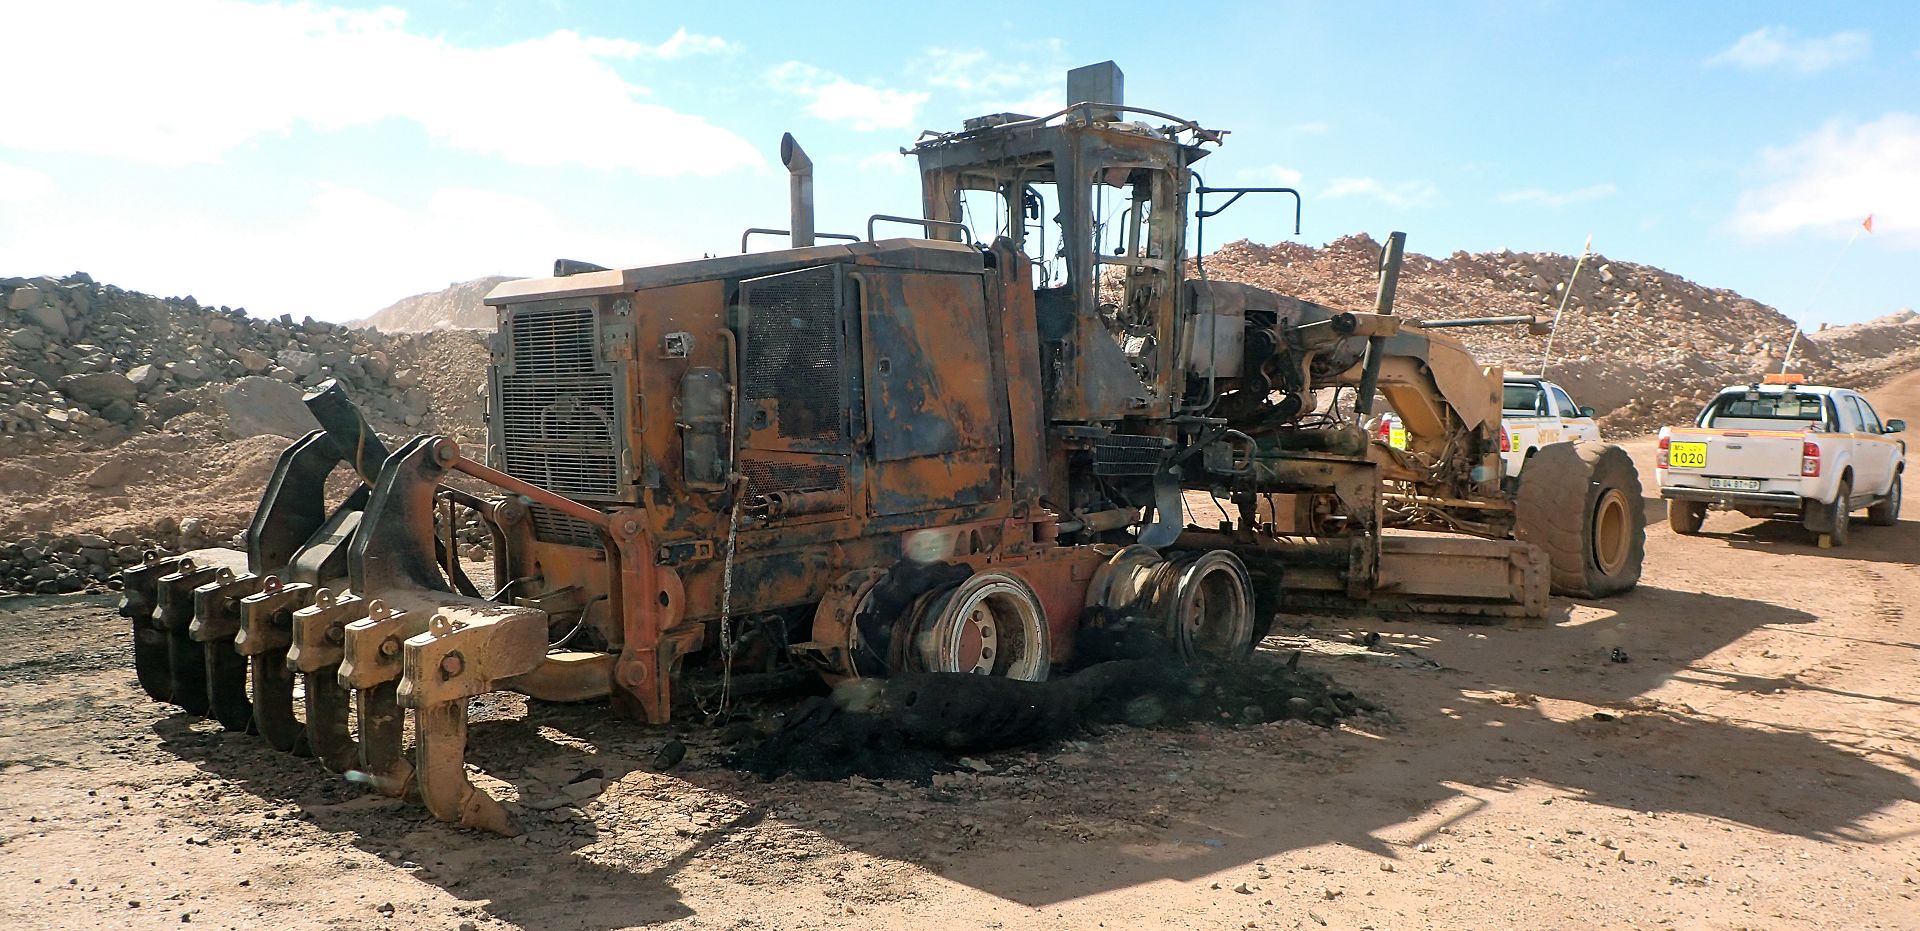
<point>1686,517</point>
<point>1887,512</point>
<point>1580,503</point>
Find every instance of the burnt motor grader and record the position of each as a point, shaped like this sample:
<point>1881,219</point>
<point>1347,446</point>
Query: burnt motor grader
<point>851,458</point>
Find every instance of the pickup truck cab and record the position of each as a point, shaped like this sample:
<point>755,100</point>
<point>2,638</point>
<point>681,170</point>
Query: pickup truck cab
<point>1535,413</point>
<point>1783,449</point>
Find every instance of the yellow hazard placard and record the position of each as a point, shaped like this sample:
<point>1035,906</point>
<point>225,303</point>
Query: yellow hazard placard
<point>1687,455</point>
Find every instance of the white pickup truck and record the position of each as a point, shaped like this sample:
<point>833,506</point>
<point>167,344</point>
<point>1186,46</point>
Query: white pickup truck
<point>1784,449</point>
<point>1537,413</point>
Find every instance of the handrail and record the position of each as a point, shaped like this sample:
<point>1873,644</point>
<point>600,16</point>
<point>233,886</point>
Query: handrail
<point>763,231</point>
<point>918,221</point>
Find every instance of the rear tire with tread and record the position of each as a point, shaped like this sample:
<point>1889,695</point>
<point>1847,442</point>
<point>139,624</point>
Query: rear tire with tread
<point>1887,512</point>
<point>1686,517</point>
<point>1581,504</point>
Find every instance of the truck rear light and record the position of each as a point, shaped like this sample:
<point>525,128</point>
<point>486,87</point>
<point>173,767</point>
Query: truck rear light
<point>1386,429</point>
<point>1810,459</point>
<point>1661,461</point>
<point>1506,440</point>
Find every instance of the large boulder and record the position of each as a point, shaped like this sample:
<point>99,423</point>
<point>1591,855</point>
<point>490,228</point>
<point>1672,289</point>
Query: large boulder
<point>257,406</point>
<point>300,362</point>
<point>49,318</point>
<point>99,389</point>
<point>23,297</point>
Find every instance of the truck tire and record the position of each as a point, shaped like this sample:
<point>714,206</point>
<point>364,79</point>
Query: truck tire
<point>1838,518</point>
<point>1685,517</point>
<point>1887,512</point>
<point>1580,503</point>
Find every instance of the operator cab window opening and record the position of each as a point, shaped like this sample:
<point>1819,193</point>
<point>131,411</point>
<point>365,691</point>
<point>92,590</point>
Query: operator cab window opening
<point>1034,225</point>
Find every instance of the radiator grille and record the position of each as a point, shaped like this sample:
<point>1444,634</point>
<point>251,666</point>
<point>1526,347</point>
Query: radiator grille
<point>559,423</point>
<point>1121,454</point>
<point>767,477</point>
<point>793,352</point>
<point>550,526</point>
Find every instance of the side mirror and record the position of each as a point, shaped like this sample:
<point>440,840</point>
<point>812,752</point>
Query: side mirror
<point>1896,426</point>
<point>1586,412</point>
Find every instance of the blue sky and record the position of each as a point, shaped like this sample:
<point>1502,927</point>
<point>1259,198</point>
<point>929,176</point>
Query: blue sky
<point>328,158</point>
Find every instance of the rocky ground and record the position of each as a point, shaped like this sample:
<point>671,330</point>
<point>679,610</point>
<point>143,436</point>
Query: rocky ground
<point>1750,764</point>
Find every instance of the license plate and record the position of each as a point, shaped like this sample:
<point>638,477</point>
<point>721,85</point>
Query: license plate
<point>1687,455</point>
<point>1734,484</point>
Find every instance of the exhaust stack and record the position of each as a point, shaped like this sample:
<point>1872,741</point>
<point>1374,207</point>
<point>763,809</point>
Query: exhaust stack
<point>800,190</point>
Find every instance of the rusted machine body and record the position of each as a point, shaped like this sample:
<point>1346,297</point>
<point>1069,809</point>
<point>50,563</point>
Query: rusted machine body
<point>713,478</point>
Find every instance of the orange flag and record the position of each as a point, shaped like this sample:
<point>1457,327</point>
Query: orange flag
<point>1868,223</point>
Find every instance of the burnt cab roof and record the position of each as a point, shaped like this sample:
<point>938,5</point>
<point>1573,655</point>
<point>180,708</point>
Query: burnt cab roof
<point>925,254</point>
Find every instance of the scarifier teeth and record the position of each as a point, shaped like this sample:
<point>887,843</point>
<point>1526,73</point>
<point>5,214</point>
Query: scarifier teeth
<point>265,634</point>
<point>216,621</point>
<point>139,596</point>
<point>316,653</point>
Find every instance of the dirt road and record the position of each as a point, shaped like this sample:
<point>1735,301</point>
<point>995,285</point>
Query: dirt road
<point>1750,763</point>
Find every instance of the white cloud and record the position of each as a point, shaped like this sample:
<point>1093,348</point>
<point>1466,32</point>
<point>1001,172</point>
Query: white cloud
<point>1541,197</point>
<point>1030,79</point>
<point>391,248</point>
<point>836,99</point>
<point>1403,194</point>
<point>20,184</point>
<point>683,44</point>
<point>1778,47</point>
<point>189,81</point>
<point>1267,176</point>
<point>1827,183</point>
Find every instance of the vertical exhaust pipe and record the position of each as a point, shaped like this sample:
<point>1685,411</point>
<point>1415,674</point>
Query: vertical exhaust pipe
<point>799,190</point>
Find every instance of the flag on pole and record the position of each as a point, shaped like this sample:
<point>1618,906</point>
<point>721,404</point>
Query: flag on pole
<point>1588,249</point>
<point>1868,223</point>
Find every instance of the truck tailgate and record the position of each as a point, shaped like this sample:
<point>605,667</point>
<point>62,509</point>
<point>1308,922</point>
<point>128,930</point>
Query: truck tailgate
<point>1760,454</point>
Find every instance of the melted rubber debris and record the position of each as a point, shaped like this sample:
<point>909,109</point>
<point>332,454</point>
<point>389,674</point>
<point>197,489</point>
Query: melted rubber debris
<point>912,726</point>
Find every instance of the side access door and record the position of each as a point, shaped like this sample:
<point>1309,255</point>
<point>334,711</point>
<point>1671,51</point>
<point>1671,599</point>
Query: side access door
<point>935,395</point>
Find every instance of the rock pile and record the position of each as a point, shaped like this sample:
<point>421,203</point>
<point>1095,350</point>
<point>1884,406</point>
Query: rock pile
<point>1641,345</point>
<point>55,564</point>
<point>458,306</point>
<point>1876,349</point>
<point>127,417</point>
<point>82,359</point>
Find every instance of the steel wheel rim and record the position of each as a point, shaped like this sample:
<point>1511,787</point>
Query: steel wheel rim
<point>1610,531</point>
<point>994,627</point>
<point>1215,608</point>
